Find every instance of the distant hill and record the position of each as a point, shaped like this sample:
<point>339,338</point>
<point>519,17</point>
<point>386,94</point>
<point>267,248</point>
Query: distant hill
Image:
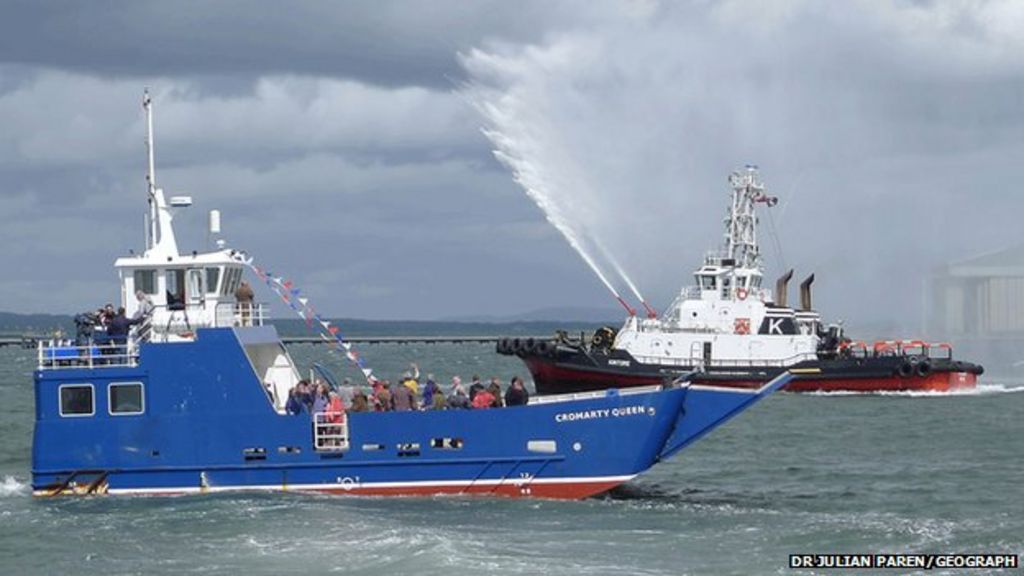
<point>351,327</point>
<point>558,315</point>
<point>11,323</point>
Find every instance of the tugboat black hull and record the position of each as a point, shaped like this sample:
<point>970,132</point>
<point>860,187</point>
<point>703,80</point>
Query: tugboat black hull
<point>563,369</point>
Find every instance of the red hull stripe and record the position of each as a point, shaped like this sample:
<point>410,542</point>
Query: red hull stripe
<point>935,382</point>
<point>562,488</point>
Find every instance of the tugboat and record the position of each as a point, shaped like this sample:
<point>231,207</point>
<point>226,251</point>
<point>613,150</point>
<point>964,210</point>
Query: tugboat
<point>731,331</point>
<point>194,400</point>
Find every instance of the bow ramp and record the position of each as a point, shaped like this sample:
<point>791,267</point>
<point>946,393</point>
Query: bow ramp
<point>708,407</point>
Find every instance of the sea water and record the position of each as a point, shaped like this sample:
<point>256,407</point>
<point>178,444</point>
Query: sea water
<point>796,474</point>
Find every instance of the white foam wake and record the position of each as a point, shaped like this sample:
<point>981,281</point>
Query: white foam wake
<point>985,389</point>
<point>11,487</point>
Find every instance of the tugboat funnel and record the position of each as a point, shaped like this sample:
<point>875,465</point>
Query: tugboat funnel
<point>782,288</point>
<point>805,293</point>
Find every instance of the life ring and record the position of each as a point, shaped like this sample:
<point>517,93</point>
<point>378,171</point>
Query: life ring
<point>741,293</point>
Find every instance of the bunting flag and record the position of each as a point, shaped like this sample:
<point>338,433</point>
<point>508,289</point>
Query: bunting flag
<point>289,294</point>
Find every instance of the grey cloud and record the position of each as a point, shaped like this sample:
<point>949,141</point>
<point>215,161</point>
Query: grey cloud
<point>330,136</point>
<point>387,43</point>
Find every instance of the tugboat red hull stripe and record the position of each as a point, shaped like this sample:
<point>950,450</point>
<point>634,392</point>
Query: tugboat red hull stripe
<point>554,377</point>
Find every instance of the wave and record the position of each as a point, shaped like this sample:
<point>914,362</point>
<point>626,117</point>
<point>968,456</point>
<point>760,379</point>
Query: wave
<point>979,390</point>
<point>11,487</point>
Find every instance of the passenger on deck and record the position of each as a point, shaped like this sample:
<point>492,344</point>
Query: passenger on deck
<point>335,407</point>
<point>404,399</point>
<point>475,387</point>
<point>411,379</point>
<point>359,401</point>
<point>483,399</point>
<point>439,401</point>
<point>143,313</point>
<point>106,315</point>
<point>294,405</point>
<point>117,331</point>
<point>305,395</point>
<point>321,400</point>
<point>495,389</point>
<point>244,295</point>
<point>458,399</point>
<point>430,389</point>
<point>517,395</point>
<point>85,325</point>
<point>382,396</point>
<point>146,306</point>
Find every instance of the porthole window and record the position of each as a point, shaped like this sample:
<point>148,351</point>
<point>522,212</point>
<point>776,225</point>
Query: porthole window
<point>77,400</point>
<point>126,399</point>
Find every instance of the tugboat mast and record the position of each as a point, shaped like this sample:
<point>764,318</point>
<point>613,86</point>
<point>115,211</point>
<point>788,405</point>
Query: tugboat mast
<point>741,224</point>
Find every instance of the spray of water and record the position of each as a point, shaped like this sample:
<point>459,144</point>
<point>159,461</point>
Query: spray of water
<point>552,177</point>
<point>527,176</point>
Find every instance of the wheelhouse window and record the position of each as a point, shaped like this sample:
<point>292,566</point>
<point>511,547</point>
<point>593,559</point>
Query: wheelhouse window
<point>126,399</point>
<point>77,400</point>
<point>212,279</point>
<point>145,280</point>
<point>707,282</point>
<point>195,286</point>
<point>232,276</point>
<point>175,289</point>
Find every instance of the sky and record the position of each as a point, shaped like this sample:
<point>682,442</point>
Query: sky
<point>351,146</point>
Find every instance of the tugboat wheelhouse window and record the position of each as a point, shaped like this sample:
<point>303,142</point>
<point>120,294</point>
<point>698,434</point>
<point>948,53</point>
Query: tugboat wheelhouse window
<point>126,399</point>
<point>145,280</point>
<point>77,400</point>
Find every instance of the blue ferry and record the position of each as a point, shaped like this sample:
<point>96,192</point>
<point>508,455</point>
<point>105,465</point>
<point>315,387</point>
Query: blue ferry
<point>193,400</point>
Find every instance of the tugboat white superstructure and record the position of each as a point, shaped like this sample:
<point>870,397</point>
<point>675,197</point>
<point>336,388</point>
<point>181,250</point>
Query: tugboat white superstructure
<point>735,332</point>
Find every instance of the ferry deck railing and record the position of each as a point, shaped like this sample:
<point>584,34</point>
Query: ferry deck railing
<point>65,354</point>
<point>330,431</point>
<point>185,319</point>
<point>241,314</point>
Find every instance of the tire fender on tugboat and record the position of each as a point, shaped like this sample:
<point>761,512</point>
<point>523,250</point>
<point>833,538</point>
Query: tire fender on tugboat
<point>906,369</point>
<point>924,368</point>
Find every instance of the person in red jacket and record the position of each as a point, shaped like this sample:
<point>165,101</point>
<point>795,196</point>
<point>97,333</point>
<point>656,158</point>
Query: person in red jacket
<point>483,399</point>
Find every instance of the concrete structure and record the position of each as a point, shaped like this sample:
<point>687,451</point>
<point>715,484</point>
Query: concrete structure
<point>978,304</point>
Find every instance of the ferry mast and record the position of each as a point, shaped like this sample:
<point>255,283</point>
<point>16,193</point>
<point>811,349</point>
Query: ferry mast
<point>151,229</point>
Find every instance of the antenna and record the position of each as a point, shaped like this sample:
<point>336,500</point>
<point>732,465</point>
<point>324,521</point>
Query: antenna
<point>147,105</point>
<point>160,234</point>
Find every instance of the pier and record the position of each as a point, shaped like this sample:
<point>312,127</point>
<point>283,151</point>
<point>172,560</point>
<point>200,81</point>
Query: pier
<point>31,340</point>
<point>407,339</point>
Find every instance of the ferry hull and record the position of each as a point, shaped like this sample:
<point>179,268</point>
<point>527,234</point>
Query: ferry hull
<point>208,426</point>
